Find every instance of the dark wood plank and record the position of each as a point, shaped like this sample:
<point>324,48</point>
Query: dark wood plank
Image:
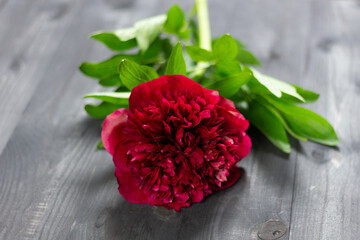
<point>326,202</point>
<point>30,32</point>
<point>12,26</point>
<point>25,165</point>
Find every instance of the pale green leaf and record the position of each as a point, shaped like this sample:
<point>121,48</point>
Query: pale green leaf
<point>151,55</point>
<point>268,123</point>
<point>133,74</point>
<point>105,68</point>
<point>120,40</point>
<point>101,110</point>
<point>277,113</point>
<point>126,34</point>
<point>184,34</point>
<point>198,54</point>
<point>225,47</point>
<point>306,123</point>
<point>226,68</point>
<point>176,64</point>
<point>275,86</point>
<point>240,44</point>
<point>307,95</point>
<point>246,57</point>
<point>110,81</point>
<point>147,30</point>
<point>229,86</point>
<point>120,98</point>
<point>175,20</point>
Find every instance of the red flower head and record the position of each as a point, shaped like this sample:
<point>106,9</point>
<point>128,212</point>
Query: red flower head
<point>177,143</point>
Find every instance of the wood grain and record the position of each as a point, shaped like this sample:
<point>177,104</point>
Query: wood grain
<point>55,185</point>
<point>30,33</point>
<point>326,202</point>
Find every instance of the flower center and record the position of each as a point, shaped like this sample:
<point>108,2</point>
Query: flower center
<point>181,149</point>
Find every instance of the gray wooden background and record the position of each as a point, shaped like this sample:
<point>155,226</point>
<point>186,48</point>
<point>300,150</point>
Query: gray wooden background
<point>54,185</point>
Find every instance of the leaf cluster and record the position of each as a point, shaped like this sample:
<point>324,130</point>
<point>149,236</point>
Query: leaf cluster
<point>169,44</point>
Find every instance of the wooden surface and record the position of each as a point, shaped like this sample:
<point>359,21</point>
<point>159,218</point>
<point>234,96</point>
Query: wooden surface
<point>54,185</point>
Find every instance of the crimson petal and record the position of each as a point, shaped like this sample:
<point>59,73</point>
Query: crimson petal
<point>155,89</point>
<point>128,188</point>
<point>112,131</point>
<point>235,174</point>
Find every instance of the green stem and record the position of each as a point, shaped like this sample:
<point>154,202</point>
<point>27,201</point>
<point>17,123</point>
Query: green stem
<point>204,33</point>
<point>204,24</point>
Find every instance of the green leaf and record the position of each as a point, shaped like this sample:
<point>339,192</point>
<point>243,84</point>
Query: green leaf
<point>240,44</point>
<point>307,95</point>
<point>119,98</point>
<point>126,34</point>
<point>275,86</point>
<point>133,74</point>
<point>184,34</point>
<point>110,81</point>
<point>176,64</point>
<point>225,47</point>
<point>166,48</point>
<point>175,20</point>
<point>306,123</point>
<point>150,56</point>
<point>105,68</point>
<point>276,113</point>
<point>269,124</point>
<point>226,68</point>
<point>101,110</point>
<point>100,145</point>
<point>246,57</point>
<point>194,31</point>
<point>198,54</point>
<point>229,86</point>
<point>120,40</point>
<point>147,30</point>
<point>121,89</point>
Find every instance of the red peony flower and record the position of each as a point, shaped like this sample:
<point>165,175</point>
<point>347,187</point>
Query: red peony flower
<point>177,143</point>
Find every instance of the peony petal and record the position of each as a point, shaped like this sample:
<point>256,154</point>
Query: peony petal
<point>155,89</point>
<point>226,103</point>
<point>128,188</point>
<point>244,147</point>
<point>211,96</point>
<point>235,174</point>
<point>120,157</point>
<point>234,118</point>
<point>197,196</point>
<point>113,126</point>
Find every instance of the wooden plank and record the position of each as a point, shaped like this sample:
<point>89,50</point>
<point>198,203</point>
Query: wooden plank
<point>22,173</point>
<point>30,32</point>
<point>326,201</point>
<point>11,28</point>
